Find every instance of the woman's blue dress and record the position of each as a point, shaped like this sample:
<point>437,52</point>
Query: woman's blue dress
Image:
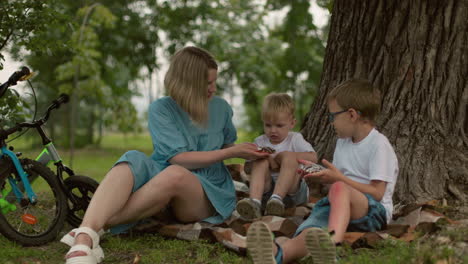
<point>173,132</point>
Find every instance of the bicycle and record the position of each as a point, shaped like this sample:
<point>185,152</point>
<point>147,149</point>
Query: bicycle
<point>35,202</point>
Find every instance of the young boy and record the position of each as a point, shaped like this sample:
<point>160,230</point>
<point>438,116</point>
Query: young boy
<point>276,178</point>
<point>362,177</point>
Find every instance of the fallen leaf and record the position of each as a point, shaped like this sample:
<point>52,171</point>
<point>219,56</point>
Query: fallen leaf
<point>137,259</point>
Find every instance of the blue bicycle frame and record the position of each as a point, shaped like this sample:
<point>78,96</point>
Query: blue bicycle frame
<point>23,175</point>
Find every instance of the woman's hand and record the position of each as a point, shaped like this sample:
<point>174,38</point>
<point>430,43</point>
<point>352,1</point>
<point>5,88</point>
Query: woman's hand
<point>329,175</point>
<point>247,151</point>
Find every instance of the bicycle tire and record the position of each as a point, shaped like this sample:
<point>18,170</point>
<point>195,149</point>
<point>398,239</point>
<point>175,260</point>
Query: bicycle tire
<point>46,217</point>
<point>83,188</point>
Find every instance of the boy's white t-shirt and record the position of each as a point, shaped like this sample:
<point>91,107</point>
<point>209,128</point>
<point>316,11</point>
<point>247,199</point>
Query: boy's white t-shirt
<point>373,158</point>
<point>294,142</point>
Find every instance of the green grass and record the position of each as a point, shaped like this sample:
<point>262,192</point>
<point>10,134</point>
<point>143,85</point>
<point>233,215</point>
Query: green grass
<point>153,248</point>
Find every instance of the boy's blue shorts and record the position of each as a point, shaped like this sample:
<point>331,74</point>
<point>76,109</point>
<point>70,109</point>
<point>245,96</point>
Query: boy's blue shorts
<point>376,217</point>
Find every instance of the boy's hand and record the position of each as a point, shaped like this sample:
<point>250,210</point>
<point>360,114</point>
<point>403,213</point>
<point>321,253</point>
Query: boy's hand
<point>329,175</point>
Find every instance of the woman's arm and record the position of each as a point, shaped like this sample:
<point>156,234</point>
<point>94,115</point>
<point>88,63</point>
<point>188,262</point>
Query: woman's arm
<point>202,159</point>
<point>310,156</point>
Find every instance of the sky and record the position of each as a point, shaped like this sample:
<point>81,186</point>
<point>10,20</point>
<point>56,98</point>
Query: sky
<point>320,17</point>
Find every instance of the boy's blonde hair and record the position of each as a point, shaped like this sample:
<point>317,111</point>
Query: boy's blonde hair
<point>360,95</point>
<point>186,81</point>
<point>275,103</point>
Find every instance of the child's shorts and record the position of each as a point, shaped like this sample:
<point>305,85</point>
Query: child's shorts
<point>291,200</point>
<point>376,218</point>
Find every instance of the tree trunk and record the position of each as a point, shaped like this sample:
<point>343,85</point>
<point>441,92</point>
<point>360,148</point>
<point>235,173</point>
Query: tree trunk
<point>90,129</point>
<point>416,53</point>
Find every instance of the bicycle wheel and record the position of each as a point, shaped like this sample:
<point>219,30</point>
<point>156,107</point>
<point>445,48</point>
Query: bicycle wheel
<point>33,224</point>
<point>82,188</point>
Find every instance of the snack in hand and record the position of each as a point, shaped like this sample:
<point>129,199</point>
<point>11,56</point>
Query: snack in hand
<point>311,168</point>
<point>265,149</point>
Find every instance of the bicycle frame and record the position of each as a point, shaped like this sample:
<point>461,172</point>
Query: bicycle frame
<point>48,154</point>
<point>23,175</point>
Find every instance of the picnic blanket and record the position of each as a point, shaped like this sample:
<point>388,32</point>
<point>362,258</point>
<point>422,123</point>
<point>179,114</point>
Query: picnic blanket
<point>232,232</point>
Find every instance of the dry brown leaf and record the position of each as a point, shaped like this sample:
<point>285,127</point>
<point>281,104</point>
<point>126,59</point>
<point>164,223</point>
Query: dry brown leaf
<point>137,259</point>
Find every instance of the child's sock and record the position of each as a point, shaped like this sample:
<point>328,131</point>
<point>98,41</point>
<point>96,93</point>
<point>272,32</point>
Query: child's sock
<point>275,196</point>
<point>257,201</point>
<point>275,206</point>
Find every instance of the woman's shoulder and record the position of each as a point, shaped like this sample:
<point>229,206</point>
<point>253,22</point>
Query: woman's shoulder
<point>219,100</point>
<point>162,102</point>
<point>219,103</point>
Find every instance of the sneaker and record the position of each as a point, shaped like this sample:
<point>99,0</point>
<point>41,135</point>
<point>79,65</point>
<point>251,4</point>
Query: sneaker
<point>260,244</point>
<point>248,209</point>
<point>320,246</point>
<point>274,207</point>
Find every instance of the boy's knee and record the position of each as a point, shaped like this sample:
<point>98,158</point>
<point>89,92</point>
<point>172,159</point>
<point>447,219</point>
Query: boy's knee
<point>260,162</point>
<point>288,157</point>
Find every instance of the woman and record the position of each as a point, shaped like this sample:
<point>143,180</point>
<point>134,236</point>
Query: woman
<point>192,134</point>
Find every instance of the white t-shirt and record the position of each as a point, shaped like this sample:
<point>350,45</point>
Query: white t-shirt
<point>373,158</point>
<point>294,142</point>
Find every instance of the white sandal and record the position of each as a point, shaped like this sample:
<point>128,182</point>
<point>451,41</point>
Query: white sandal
<point>94,254</point>
<point>69,240</point>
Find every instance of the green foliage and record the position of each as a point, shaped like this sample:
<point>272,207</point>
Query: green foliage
<point>104,49</point>
<point>257,58</point>
<point>22,23</point>
<point>12,109</point>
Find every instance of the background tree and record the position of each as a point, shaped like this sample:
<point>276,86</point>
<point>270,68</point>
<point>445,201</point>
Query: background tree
<point>416,53</point>
<point>256,56</point>
<point>109,43</point>
<point>21,24</point>
<point>114,45</point>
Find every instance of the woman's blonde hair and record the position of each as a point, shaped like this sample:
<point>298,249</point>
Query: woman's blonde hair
<point>186,81</point>
<point>275,103</point>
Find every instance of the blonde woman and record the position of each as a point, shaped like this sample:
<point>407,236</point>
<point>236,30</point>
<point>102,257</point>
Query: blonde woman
<point>192,133</point>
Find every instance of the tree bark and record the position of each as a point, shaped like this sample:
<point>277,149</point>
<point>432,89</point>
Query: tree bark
<point>416,53</point>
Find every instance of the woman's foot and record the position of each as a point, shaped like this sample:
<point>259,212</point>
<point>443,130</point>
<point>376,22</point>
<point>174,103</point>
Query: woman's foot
<point>86,248</point>
<point>69,238</point>
<point>81,239</point>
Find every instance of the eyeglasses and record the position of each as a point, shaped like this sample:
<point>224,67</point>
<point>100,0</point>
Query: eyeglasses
<point>331,116</point>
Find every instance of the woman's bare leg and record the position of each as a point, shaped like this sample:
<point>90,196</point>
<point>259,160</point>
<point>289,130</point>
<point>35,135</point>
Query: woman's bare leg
<point>175,185</point>
<point>105,202</point>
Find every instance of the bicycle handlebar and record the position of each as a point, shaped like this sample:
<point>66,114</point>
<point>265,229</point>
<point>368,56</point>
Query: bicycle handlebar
<point>63,98</point>
<point>14,78</point>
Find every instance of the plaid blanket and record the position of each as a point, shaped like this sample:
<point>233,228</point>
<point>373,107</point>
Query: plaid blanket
<point>232,232</point>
